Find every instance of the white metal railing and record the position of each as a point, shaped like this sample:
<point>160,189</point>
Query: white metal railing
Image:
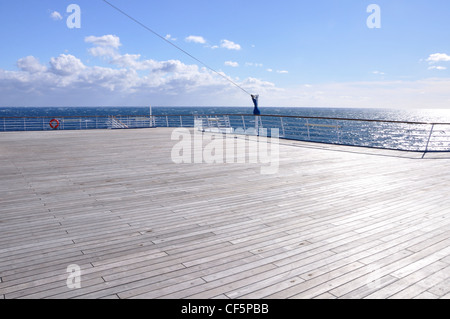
<point>114,123</point>
<point>398,135</point>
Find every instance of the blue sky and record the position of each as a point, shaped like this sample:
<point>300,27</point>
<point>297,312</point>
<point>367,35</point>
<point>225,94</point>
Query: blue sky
<point>291,52</point>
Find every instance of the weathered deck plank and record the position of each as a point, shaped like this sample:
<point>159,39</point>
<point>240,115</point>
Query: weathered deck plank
<point>333,222</point>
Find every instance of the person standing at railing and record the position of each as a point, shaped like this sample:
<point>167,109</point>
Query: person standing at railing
<point>256,112</point>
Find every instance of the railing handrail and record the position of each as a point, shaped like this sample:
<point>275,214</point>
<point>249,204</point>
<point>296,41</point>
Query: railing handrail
<point>236,114</point>
<point>298,116</point>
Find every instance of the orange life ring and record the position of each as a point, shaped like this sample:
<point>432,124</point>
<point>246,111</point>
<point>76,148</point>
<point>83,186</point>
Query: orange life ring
<point>54,124</point>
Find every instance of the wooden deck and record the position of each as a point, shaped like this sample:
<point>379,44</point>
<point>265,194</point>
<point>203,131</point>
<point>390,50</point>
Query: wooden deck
<point>334,222</point>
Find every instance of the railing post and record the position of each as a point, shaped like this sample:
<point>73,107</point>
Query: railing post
<point>307,129</point>
<point>428,142</point>
<point>167,121</point>
<point>338,132</point>
<point>243,122</point>
<point>282,127</point>
<point>226,119</point>
<point>181,121</point>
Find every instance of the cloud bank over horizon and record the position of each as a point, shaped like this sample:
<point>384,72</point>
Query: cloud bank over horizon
<point>130,80</point>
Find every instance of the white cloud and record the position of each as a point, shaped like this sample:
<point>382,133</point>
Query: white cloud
<point>109,40</point>
<point>282,72</point>
<point>232,64</point>
<point>30,64</point>
<point>378,73</point>
<point>230,45</point>
<point>195,39</point>
<point>103,52</point>
<point>438,57</point>
<point>55,15</point>
<point>258,85</point>
<point>69,80</point>
<point>66,64</point>
<point>440,68</point>
<point>132,61</point>
<point>105,46</point>
<point>169,37</point>
<point>257,65</point>
<point>269,70</point>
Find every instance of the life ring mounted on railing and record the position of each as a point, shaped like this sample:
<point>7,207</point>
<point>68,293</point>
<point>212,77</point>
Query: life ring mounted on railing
<point>54,124</point>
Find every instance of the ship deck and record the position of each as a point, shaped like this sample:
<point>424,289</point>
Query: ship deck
<point>332,222</point>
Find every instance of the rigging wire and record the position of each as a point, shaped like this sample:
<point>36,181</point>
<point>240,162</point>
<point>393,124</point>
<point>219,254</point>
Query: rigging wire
<point>174,45</point>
